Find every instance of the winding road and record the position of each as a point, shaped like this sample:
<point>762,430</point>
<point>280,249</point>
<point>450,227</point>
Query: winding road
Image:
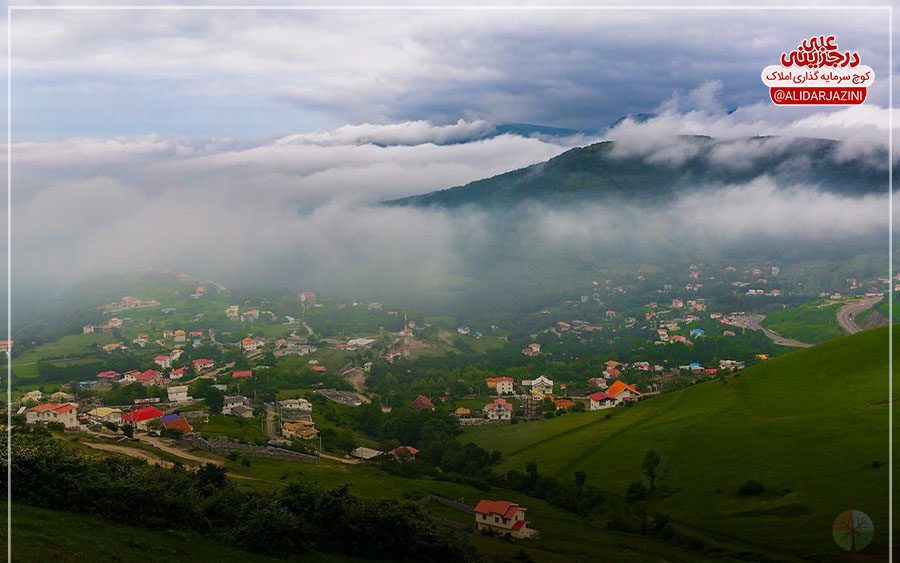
<point>847,314</point>
<point>754,322</point>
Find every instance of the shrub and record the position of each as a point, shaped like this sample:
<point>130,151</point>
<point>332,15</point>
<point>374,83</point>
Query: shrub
<point>751,488</point>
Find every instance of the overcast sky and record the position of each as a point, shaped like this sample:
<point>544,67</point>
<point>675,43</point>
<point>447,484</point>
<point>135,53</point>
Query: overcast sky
<point>239,141</point>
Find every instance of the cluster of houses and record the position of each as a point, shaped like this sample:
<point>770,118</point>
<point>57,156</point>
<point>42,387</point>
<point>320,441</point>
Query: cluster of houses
<point>69,415</point>
<point>296,419</point>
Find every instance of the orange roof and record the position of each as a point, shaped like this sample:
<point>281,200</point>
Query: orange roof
<point>564,403</point>
<point>55,407</point>
<point>179,424</point>
<point>619,386</point>
<point>247,341</point>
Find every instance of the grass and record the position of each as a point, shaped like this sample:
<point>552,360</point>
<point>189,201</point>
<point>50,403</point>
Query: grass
<point>808,425</point>
<point>813,322</point>
<point>50,535</point>
<point>243,429</point>
<point>25,365</point>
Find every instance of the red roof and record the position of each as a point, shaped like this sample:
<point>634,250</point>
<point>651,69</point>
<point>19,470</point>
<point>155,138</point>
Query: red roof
<point>162,357</point>
<point>203,362</point>
<point>242,373</point>
<point>613,372</point>
<point>148,375</point>
<point>404,449</point>
<point>519,524</point>
<point>504,378</point>
<point>600,396</point>
<point>501,402</point>
<point>564,403</point>
<point>179,371</point>
<point>319,368</point>
<point>502,507</point>
<point>422,402</point>
<point>55,407</point>
<point>142,414</point>
<point>108,374</point>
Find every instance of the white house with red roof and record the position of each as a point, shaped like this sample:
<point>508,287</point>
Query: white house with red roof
<point>203,364</point>
<point>499,409</point>
<point>599,401</point>
<point>53,412</point>
<point>502,517</point>
<point>163,361</point>
<point>249,345</point>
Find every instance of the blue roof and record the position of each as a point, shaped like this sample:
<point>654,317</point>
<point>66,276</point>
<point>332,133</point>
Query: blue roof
<point>170,417</point>
<point>694,365</point>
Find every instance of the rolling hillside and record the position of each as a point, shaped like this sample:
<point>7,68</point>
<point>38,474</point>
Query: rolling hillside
<point>600,171</point>
<point>808,425</point>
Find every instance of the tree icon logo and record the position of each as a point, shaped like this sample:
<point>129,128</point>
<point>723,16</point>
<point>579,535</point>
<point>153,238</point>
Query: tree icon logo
<point>853,530</point>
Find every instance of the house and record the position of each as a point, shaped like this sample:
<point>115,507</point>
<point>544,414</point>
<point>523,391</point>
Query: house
<point>563,403</point>
<point>242,411</point>
<point>149,377</point>
<point>163,361</point>
<point>308,297</point>
<point>140,418</point>
<point>462,412</point>
<point>503,385</point>
<point>109,375</point>
<point>87,329</point>
<point>106,414</point>
<point>176,373</point>
<point>175,354</point>
<point>540,387</point>
<point>250,315</point>
<point>241,374</point>
<point>112,347</point>
<point>304,429</point>
<point>621,392</point>
<point>532,407</point>
<point>404,453</point>
<point>178,394</point>
<point>232,312</point>
<point>502,517</point>
<point>499,409</point>
<point>532,350</point>
<point>298,404</point>
<point>141,340</point>
<point>698,333</point>
<point>599,401</point>
<point>319,369</point>
<point>53,412</point>
<point>612,372</point>
<point>180,336</point>
<point>422,402</point>
<point>249,345</point>
<point>178,423</point>
<point>365,453</point>
<point>202,364</point>
<point>61,397</point>
<point>232,403</point>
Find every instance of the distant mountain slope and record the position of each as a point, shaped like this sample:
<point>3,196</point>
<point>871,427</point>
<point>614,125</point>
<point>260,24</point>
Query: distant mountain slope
<point>599,171</point>
<point>809,425</point>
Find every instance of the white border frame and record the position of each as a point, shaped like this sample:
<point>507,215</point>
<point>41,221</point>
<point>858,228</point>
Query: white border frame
<point>388,7</point>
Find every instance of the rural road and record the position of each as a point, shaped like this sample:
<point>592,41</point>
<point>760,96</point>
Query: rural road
<point>270,421</point>
<point>754,322</point>
<point>133,452</point>
<point>850,311</point>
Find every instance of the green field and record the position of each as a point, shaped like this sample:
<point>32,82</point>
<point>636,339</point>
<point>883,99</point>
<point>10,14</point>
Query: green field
<point>25,366</point>
<point>808,425</point>
<point>51,535</point>
<point>243,429</point>
<point>813,322</point>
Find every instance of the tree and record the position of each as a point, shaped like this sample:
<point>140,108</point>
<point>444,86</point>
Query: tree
<point>580,478</point>
<point>648,467</point>
<point>128,430</point>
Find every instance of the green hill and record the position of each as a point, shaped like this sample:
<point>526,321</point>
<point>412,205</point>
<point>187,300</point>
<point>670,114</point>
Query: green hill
<point>808,425</point>
<point>51,535</point>
<point>600,171</point>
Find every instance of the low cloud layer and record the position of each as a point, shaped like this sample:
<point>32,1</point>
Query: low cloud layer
<point>302,211</point>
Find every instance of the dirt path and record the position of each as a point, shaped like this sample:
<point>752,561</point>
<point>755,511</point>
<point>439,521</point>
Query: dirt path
<point>159,444</point>
<point>846,315</point>
<point>340,459</point>
<point>270,422</point>
<point>132,452</point>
